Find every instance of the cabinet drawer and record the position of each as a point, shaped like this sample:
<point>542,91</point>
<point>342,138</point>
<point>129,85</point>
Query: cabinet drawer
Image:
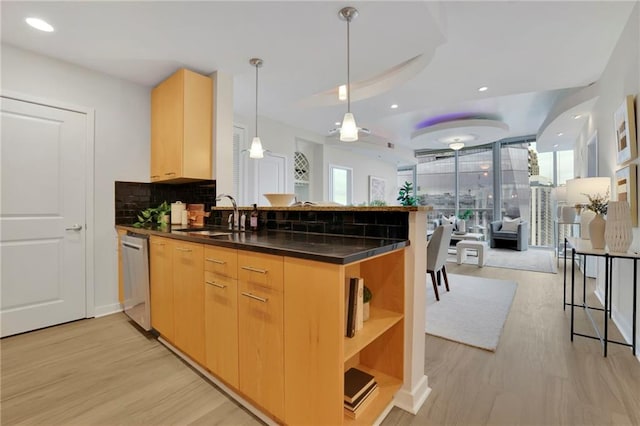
<point>222,261</point>
<point>262,270</point>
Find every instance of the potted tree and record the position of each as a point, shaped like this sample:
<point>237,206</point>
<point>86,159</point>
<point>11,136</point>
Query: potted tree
<point>405,197</point>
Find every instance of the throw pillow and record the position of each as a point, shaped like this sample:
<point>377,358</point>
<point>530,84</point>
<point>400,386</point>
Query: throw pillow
<point>450,221</point>
<point>510,225</point>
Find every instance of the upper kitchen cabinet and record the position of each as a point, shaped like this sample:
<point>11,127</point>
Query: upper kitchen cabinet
<point>181,126</point>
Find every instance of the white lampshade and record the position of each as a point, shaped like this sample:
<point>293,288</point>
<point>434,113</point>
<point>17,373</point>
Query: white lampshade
<point>577,189</point>
<point>256,150</point>
<point>349,130</point>
<point>560,194</point>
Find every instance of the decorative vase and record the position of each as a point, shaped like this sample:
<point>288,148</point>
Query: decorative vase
<point>365,311</point>
<point>618,234</point>
<point>462,226</point>
<point>596,231</point>
<point>568,214</point>
<point>585,219</point>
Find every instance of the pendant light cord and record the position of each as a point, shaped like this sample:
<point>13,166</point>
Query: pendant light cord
<point>348,68</point>
<point>257,100</point>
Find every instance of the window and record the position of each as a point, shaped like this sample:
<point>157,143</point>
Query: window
<point>340,184</point>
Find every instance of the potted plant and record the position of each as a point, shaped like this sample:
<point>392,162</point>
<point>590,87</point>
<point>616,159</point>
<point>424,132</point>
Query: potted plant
<point>154,216</point>
<point>366,298</point>
<point>462,220</point>
<point>405,197</point>
<point>598,204</point>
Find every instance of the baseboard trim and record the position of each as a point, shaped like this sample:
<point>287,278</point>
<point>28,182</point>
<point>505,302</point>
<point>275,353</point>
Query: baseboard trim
<point>104,310</point>
<point>246,404</point>
<point>412,401</point>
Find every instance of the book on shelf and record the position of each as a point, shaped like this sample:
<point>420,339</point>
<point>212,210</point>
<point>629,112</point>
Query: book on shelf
<point>359,400</point>
<point>359,303</point>
<point>356,383</point>
<point>366,401</point>
<point>351,306</point>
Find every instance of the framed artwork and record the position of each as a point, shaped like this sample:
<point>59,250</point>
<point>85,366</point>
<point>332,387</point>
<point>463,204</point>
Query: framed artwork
<point>377,189</point>
<point>625,128</point>
<point>626,189</point>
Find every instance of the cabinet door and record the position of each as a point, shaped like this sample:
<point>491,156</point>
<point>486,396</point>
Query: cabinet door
<point>261,328</point>
<point>188,293</point>
<point>161,286</point>
<point>221,326</point>
<point>121,232</point>
<point>167,128</point>
<point>198,113</point>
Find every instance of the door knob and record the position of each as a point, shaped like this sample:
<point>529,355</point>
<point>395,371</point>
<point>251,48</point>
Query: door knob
<point>75,227</point>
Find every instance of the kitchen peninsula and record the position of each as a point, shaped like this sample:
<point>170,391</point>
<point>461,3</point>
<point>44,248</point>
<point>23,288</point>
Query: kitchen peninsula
<point>264,312</point>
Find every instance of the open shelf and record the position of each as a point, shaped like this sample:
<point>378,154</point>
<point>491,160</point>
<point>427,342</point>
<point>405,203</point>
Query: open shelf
<point>387,388</point>
<point>380,320</point>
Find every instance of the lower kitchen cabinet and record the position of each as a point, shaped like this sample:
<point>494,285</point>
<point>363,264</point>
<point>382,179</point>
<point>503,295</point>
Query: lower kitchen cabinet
<point>188,297</point>
<point>221,326</point>
<point>260,330</point>
<point>161,286</point>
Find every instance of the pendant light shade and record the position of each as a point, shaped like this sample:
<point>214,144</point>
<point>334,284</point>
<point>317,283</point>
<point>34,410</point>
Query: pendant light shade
<point>456,145</point>
<point>349,129</point>
<point>256,151</point>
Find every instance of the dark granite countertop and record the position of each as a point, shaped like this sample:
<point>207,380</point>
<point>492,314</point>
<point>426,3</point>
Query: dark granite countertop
<point>335,249</point>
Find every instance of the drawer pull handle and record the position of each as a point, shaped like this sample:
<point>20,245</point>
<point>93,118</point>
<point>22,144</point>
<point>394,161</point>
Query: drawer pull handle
<point>155,176</point>
<point>170,174</point>
<point>158,244</point>
<point>183,249</point>
<point>215,284</point>
<point>219,262</point>
<point>249,268</point>
<point>251,296</point>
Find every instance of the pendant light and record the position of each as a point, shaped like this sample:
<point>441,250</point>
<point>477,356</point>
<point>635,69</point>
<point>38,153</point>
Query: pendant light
<point>349,129</point>
<point>256,151</point>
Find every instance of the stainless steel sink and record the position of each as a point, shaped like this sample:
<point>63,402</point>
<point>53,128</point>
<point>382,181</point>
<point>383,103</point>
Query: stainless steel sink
<point>205,232</point>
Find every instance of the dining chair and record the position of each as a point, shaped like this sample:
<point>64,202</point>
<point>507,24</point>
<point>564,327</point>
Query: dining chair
<point>437,255</point>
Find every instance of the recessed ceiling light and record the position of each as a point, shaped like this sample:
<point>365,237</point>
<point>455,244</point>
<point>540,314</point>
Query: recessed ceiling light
<point>560,133</point>
<point>342,92</point>
<point>575,117</point>
<point>337,123</point>
<point>483,89</point>
<point>555,145</point>
<point>394,106</point>
<point>39,24</point>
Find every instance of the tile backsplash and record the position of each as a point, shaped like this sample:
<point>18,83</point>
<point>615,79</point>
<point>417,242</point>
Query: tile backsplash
<point>133,197</point>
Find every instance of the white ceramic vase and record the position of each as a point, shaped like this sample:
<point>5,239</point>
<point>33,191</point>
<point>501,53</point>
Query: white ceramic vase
<point>462,226</point>
<point>596,231</point>
<point>618,234</point>
<point>585,218</point>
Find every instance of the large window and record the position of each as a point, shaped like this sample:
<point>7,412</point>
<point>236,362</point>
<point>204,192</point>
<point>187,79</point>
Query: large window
<point>453,182</point>
<point>340,184</point>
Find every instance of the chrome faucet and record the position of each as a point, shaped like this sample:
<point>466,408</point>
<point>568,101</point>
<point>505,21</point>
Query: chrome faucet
<point>236,216</point>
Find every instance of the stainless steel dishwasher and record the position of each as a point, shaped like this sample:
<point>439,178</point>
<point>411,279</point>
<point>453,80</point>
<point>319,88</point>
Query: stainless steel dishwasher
<point>135,271</point>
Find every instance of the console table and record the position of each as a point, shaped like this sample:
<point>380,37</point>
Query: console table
<point>564,225</point>
<point>583,248</point>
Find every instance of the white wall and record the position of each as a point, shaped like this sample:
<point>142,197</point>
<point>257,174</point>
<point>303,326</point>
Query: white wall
<point>122,127</point>
<point>284,139</point>
<point>620,78</point>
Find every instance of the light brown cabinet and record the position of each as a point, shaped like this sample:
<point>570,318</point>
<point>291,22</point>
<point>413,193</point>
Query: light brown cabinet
<point>188,297</point>
<point>121,232</point>
<point>161,286</point>
<point>181,128</point>
<point>221,313</point>
<point>260,330</point>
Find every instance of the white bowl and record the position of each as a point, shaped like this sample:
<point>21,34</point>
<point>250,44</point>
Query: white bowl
<point>280,200</point>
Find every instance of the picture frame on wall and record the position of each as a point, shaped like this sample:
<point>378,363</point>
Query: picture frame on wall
<point>627,189</point>
<point>625,131</point>
<point>377,189</point>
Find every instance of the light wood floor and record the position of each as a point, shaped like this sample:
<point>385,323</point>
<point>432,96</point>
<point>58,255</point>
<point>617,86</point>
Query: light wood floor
<point>105,371</point>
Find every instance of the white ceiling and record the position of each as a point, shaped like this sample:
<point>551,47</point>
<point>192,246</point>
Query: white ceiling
<point>530,54</point>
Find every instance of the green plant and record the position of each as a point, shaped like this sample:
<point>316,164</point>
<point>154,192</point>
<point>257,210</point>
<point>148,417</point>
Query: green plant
<point>367,295</point>
<point>466,215</point>
<point>377,203</point>
<point>153,215</point>
<point>598,203</point>
<point>404,196</point>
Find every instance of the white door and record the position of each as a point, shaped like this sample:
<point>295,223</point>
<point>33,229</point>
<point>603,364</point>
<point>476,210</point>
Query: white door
<point>271,176</point>
<point>42,216</point>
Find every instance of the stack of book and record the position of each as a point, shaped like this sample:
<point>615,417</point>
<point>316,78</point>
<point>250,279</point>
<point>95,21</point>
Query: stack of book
<point>360,388</point>
<point>354,308</point>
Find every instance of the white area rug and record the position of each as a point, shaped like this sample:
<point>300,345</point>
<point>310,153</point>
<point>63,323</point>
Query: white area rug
<point>534,259</point>
<point>473,312</point>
